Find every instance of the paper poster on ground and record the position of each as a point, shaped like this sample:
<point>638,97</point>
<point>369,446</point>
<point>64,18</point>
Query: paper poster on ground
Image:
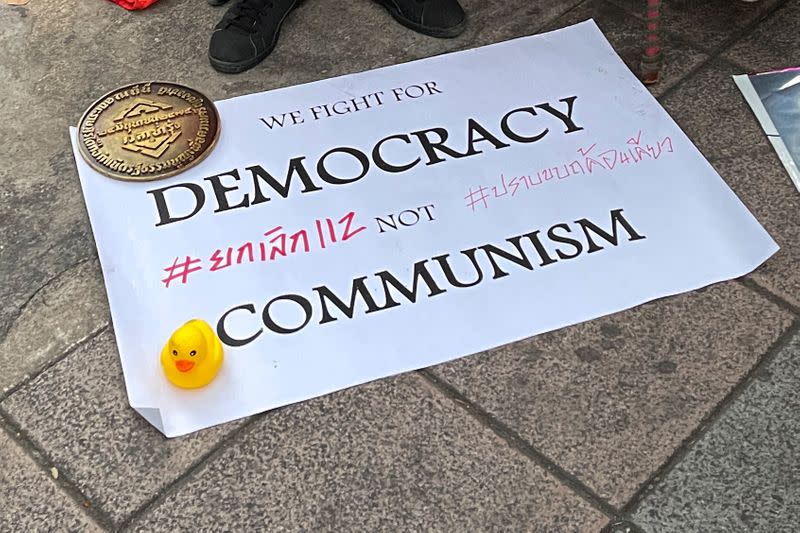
<point>358,227</point>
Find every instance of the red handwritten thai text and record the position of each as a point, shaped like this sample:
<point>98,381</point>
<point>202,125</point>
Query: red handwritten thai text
<point>277,242</point>
<point>590,160</point>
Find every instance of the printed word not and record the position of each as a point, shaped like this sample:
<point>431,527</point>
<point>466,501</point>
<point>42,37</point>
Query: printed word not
<point>405,218</point>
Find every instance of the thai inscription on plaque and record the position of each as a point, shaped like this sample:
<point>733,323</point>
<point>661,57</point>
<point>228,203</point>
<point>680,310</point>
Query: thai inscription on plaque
<point>148,131</point>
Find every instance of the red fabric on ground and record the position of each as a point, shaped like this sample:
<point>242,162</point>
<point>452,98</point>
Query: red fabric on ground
<point>134,4</point>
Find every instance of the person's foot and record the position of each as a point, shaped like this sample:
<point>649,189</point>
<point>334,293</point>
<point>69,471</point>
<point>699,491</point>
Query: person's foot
<point>247,33</point>
<point>217,2</point>
<point>437,18</point>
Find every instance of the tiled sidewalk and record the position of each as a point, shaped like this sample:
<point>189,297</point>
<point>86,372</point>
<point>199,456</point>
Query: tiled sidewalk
<point>679,415</point>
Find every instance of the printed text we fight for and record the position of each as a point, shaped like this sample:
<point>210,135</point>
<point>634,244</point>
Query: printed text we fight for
<point>351,105</point>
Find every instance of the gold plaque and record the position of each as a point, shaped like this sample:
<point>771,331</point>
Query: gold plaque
<point>148,131</point>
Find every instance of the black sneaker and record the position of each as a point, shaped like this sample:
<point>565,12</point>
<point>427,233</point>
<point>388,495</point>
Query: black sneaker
<point>437,18</point>
<point>247,33</point>
<point>217,2</point>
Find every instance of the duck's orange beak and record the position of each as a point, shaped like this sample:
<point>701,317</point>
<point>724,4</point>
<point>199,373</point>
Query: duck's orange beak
<point>183,365</point>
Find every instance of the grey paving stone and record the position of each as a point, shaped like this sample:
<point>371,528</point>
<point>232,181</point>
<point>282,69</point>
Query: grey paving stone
<point>773,44</point>
<point>66,311</point>
<point>611,399</point>
<point>744,473</point>
<point>709,23</point>
<point>626,35</point>
<point>499,21</point>
<point>759,179</point>
<point>41,211</point>
<point>710,109</point>
<point>31,500</point>
<point>78,413</point>
<point>712,112</point>
<point>393,455</point>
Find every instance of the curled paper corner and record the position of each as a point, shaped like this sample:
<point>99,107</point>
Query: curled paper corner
<point>152,415</point>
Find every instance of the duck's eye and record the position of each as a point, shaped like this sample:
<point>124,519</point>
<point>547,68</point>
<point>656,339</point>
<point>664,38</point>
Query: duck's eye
<point>174,352</point>
<point>192,353</point>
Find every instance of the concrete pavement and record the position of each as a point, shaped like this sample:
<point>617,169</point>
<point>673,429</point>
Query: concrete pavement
<point>679,415</point>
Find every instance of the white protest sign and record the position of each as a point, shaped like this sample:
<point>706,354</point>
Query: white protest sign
<point>367,225</point>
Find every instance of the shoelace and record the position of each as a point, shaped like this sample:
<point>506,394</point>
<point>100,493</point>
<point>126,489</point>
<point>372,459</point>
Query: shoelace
<point>245,13</point>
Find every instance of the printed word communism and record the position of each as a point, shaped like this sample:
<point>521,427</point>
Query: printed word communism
<point>429,278</point>
<point>393,154</point>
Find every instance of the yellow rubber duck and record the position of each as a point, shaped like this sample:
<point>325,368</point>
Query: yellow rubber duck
<point>192,356</point>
